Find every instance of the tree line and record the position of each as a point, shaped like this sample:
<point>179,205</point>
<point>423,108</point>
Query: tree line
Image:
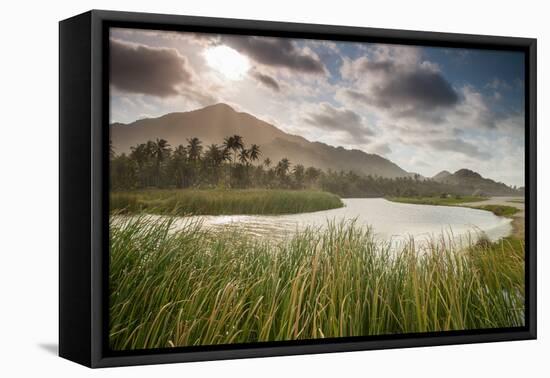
<point>229,165</point>
<point>233,164</point>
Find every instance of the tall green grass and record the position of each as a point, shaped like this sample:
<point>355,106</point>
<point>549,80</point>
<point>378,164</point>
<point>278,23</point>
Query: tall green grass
<point>223,202</point>
<point>199,287</point>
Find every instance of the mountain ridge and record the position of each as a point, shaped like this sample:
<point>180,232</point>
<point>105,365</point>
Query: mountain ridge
<point>474,183</point>
<point>213,123</point>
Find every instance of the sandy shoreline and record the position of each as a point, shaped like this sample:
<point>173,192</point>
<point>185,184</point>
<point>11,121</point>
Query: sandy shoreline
<point>518,221</point>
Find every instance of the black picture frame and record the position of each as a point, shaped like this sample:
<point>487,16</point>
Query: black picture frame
<point>83,181</point>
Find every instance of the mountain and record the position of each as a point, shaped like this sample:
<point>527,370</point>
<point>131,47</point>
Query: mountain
<point>471,182</point>
<point>213,123</point>
<point>441,176</point>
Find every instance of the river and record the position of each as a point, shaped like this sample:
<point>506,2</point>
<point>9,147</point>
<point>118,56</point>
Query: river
<point>391,221</point>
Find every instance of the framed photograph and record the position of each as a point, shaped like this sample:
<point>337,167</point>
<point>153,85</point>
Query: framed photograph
<point>234,188</point>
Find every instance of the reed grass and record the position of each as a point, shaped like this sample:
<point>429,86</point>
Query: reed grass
<point>200,287</point>
<point>223,202</point>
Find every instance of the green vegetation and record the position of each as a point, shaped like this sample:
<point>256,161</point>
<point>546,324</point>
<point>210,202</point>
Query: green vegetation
<point>223,202</point>
<point>516,201</point>
<point>199,287</point>
<point>518,221</point>
<point>229,165</point>
<point>235,165</point>
<point>443,200</point>
<point>500,210</point>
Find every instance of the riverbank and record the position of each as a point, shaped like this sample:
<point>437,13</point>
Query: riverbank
<point>438,201</point>
<point>505,206</point>
<point>198,287</point>
<point>223,202</point>
<point>509,207</point>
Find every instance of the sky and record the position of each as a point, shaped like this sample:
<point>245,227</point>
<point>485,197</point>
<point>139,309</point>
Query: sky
<point>427,109</point>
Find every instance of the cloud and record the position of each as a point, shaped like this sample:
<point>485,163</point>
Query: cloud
<point>147,70</point>
<point>398,86</point>
<point>276,52</point>
<point>460,146</point>
<point>379,148</point>
<point>266,80</point>
<point>421,88</point>
<point>473,112</point>
<point>356,95</point>
<point>164,35</point>
<point>497,84</point>
<point>458,56</point>
<point>339,119</point>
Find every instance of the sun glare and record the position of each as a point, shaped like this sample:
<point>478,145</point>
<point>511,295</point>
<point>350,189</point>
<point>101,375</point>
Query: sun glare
<point>227,61</point>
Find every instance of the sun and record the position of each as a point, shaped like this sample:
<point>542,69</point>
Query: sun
<point>227,61</point>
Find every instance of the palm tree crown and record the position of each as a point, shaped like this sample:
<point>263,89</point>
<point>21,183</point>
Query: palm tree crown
<point>283,167</point>
<point>244,155</point>
<point>194,149</point>
<point>160,150</point>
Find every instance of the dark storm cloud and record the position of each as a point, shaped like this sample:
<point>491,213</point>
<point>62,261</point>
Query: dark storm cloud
<point>266,80</point>
<point>276,52</point>
<point>398,86</point>
<point>333,119</point>
<point>458,145</point>
<point>147,70</point>
<point>421,88</point>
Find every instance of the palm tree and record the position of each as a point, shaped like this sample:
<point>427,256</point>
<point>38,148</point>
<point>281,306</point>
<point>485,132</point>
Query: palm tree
<point>312,174</point>
<point>254,152</point>
<point>233,143</point>
<point>267,162</point>
<point>159,150</point>
<point>140,155</point>
<point>214,155</point>
<point>244,156</point>
<point>228,143</point>
<point>179,158</point>
<point>225,154</point>
<point>150,173</point>
<point>282,169</point>
<point>284,165</point>
<point>298,173</point>
<point>180,152</point>
<point>150,147</point>
<point>194,149</point>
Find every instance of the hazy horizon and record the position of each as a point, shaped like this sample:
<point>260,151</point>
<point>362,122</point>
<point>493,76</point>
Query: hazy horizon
<point>426,109</point>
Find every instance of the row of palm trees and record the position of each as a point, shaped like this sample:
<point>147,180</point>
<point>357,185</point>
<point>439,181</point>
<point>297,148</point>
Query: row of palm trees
<point>230,164</point>
<point>234,165</point>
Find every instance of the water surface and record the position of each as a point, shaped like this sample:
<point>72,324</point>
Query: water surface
<point>391,221</point>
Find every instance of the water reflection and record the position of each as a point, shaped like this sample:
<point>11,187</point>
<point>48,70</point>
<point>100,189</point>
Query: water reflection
<point>391,221</point>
